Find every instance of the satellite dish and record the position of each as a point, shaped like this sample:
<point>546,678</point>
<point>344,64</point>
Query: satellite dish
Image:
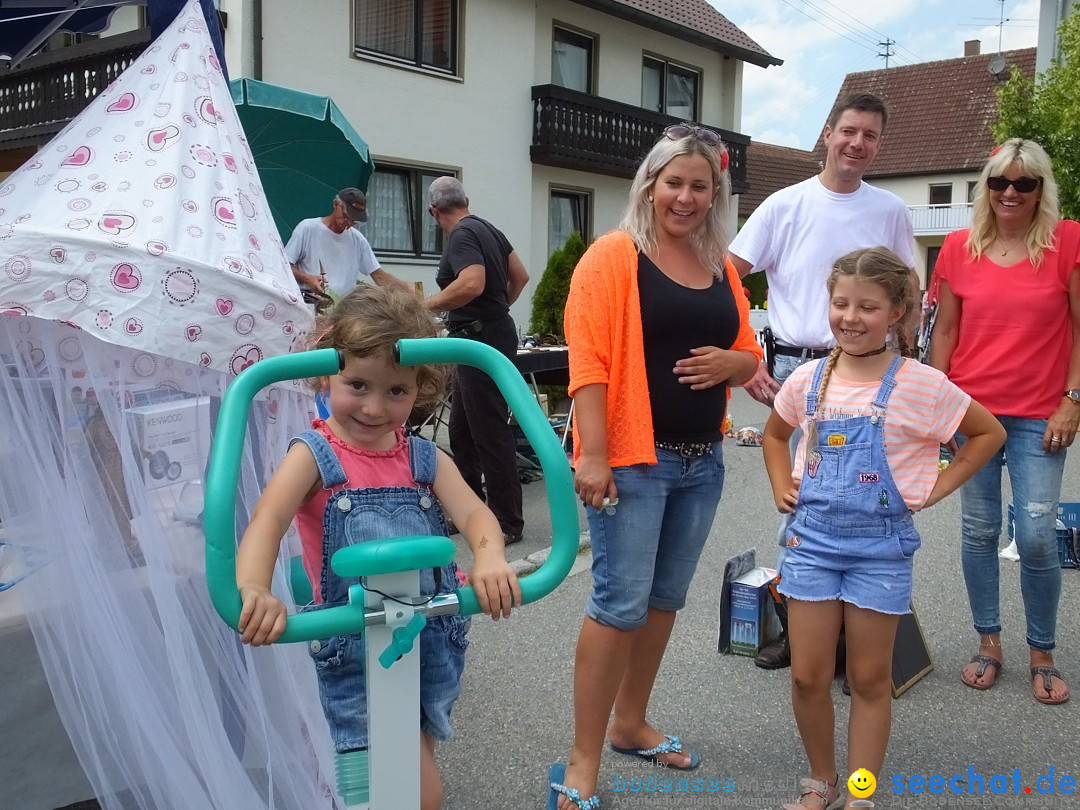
<point>997,66</point>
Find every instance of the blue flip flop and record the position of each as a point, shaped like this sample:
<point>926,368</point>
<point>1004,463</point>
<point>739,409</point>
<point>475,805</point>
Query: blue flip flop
<point>555,787</point>
<point>672,745</point>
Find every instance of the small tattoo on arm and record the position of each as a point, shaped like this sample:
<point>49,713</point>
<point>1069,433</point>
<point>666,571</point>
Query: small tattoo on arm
<point>483,542</point>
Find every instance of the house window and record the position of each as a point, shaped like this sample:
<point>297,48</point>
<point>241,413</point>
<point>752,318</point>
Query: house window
<point>416,32</point>
<point>572,60</point>
<point>972,185</point>
<point>941,194</point>
<point>398,221</point>
<point>669,88</point>
<point>568,211</point>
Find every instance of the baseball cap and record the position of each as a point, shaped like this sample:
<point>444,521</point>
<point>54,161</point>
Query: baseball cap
<point>355,203</point>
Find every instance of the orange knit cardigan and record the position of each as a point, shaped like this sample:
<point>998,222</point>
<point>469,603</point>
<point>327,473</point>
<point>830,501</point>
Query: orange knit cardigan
<point>603,330</point>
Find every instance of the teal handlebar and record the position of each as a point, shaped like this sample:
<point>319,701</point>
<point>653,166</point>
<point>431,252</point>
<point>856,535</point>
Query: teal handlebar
<point>562,503</point>
<point>224,470</point>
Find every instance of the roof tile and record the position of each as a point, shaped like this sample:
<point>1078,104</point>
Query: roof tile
<point>770,168</point>
<point>702,17</point>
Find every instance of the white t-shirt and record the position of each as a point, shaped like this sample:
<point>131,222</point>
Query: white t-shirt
<point>344,256</point>
<point>797,234</point>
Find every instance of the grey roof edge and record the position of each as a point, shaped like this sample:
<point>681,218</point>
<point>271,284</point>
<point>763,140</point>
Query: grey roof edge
<point>759,57</point>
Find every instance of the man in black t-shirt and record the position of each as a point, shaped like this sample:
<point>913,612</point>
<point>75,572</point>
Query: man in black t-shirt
<point>480,275</point>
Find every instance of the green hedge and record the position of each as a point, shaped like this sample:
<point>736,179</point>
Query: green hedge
<point>549,300</point>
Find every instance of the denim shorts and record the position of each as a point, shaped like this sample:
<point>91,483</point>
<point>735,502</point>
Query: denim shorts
<point>869,566</point>
<point>339,663</point>
<point>646,548</point>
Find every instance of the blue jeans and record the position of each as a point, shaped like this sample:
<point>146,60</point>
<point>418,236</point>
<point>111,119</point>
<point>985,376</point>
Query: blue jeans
<point>1036,485</point>
<point>646,551</point>
<point>783,365</point>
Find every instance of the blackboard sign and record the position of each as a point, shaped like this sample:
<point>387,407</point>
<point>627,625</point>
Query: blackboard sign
<point>911,659</point>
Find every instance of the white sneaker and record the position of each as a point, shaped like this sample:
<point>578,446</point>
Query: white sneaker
<point>1010,552</point>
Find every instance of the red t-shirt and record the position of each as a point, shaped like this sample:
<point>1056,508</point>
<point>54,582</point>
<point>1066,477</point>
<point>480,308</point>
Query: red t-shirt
<point>1015,332</point>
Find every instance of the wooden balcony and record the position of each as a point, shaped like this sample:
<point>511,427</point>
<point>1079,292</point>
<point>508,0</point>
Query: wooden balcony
<point>39,98</point>
<point>575,130</point>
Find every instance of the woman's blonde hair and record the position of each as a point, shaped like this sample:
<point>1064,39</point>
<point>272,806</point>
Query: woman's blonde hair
<point>880,266</point>
<point>1033,161</point>
<point>369,321</point>
<point>710,240</point>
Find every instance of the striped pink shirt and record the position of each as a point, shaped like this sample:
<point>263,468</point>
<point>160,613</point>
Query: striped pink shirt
<point>924,411</point>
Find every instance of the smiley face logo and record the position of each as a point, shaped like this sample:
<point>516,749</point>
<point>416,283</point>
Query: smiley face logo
<point>862,784</point>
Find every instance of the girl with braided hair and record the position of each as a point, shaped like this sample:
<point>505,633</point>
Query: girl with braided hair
<point>874,421</point>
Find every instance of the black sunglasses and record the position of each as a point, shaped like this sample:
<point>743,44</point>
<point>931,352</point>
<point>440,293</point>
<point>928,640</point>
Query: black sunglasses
<point>677,132</point>
<point>1025,185</point>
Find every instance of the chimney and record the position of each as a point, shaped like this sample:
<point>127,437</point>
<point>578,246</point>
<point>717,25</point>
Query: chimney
<point>972,47</point>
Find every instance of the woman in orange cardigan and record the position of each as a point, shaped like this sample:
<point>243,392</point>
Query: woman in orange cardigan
<point>658,329</point>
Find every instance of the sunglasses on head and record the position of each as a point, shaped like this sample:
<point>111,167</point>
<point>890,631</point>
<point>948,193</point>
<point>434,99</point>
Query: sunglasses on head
<point>679,131</point>
<point>1025,185</point>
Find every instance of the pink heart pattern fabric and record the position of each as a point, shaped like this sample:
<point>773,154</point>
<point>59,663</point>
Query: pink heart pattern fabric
<point>158,251</point>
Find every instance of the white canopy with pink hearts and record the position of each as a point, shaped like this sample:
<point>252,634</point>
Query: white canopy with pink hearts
<point>144,222</point>
<point>139,246</point>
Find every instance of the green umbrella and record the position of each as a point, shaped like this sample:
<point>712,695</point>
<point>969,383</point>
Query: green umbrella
<point>304,148</point>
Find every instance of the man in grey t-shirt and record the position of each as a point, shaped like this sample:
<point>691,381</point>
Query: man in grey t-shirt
<point>327,254</point>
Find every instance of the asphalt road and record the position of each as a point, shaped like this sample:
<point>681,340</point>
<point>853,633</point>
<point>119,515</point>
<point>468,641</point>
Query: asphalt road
<point>515,714</point>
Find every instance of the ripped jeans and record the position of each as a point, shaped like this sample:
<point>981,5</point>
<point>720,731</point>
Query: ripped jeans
<point>1036,485</point>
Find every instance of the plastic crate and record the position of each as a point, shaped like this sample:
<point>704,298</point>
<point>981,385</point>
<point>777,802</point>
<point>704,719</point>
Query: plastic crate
<point>1069,511</point>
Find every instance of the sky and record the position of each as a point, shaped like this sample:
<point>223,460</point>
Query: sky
<point>821,41</point>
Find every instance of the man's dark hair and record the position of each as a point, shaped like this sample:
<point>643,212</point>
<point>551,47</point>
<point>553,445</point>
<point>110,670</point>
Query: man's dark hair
<point>862,102</point>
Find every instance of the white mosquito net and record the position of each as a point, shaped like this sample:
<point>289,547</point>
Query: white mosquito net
<point>141,272</point>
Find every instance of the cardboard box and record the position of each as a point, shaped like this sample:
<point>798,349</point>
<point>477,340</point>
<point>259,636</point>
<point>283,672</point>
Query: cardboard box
<point>171,440</point>
<point>754,623</point>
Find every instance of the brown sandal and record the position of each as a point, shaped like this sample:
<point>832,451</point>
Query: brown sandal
<point>985,661</point>
<point>1048,673</point>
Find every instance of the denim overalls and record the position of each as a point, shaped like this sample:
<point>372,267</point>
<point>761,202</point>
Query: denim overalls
<point>376,513</point>
<point>853,536</point>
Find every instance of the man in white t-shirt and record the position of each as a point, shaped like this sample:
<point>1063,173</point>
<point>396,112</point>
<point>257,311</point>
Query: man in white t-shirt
<point>328,254</point>
<point>797,234</point>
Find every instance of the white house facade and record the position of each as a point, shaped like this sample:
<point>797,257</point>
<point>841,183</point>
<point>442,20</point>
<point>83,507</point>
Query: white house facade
<point>542,109</point>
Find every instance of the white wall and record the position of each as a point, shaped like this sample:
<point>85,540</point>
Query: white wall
<point>480,123</point>
<point>915,189</point>
<point>619,48</point>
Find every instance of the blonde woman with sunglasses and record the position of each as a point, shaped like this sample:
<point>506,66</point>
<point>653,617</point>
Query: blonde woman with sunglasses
<point>1007,329</point>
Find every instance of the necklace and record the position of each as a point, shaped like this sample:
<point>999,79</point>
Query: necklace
<point>867,354</point>
<point>1010,247</point>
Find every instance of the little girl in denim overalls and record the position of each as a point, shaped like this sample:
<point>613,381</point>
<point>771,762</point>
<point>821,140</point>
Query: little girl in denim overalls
<point>873,425</point>
<point>372,512</point>
<point>357,477</point>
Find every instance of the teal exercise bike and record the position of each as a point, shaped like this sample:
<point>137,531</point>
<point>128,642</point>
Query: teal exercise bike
<point>387,776</point>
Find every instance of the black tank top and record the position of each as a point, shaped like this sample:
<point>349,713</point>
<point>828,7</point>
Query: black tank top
<point>674,320</point>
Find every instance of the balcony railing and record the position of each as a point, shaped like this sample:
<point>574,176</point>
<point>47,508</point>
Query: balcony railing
<point>933,220</point>
<point>575,130</point>
<point>46,91</point>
